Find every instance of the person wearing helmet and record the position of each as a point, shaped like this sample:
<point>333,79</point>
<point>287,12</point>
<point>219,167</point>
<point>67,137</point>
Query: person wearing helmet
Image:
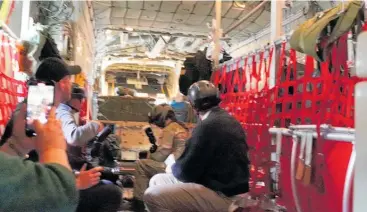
<point>214,167</point>
<point>171,141</point>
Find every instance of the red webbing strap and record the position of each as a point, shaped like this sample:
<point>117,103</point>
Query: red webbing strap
<point>267,68</point>
<point>10,90</point>
<point>13,54</point>
<point>243,82</point>
<point>223,76</point>
<point>276,115</point>
<point>236,78</point>
<point>259,71</point>
<point>364,27</point>
<point>229,77</point>
<point>253,74</point>
<point>281,63</point>
<point>215,78</point>
<point>292,98</point>
<point>2,52</point>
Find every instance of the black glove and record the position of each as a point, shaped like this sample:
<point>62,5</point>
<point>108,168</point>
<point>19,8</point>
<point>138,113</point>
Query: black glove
<point>149,132</point>
<point>153,148</point>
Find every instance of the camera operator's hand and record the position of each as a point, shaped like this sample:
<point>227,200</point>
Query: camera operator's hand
<point>50,141</point>
<point>88,178</point>
<point>100,125</point>
<point>49,135</point>
<point>26,144</point>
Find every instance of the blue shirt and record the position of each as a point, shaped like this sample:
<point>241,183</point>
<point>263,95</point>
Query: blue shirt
<point>181,110</point>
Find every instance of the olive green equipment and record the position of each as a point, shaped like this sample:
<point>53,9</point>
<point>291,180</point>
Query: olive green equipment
<point>124,91</point>
<point>316,36</point>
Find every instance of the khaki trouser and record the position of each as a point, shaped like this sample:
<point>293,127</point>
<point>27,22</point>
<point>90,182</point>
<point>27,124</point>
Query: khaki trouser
<point>167,194</point>
<point>145,169</point>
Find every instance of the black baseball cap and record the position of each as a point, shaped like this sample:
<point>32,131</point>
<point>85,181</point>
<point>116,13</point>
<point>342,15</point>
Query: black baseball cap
<point>54,69</point>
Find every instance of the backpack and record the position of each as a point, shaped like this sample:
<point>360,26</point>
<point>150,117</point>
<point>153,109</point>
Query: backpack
<point>330,24</point>
<point>110,151</point>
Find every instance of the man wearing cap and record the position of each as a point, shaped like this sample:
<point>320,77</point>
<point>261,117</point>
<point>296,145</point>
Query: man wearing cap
<point>94,196</point>
<point>57,71</point>
<point>54,70</point>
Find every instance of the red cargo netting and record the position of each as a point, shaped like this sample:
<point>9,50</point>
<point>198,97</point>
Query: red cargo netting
<point>305,93</point>
<point>11,91</point>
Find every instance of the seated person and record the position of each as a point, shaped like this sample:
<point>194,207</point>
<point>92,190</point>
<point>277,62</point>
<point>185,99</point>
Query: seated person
<point>171,141</point>
<point>56,70</point>
<point>214,167</point>
<point>95,196</point>
<point>27,186</point>
<point>183,109</point>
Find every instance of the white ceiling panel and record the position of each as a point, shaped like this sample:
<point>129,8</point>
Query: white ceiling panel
<point>226,6</point>
<point>162,25</point>
<point>203,8</point>
<point>169,6</point>
<point>253,28</point>
<point>195,19</point>
<point>133,13</point>
<point>135,5</point>
<point>131,22</point>
<point>103,13</point>
<point>173,26</point>
<point>226,22</point>
<point>186,27</point>
<point>235,13</point>
<point>148,15</point>
<point>117,21</point>
<point>185,8</point>
<point>104,21</point>
<point>118,12</point>
<point>102,3</point>
<point>164,17</point>
<point>264,19</point>
<point>121,4</point>
<point>180,18</point>
<point>188,17</point>
<point>152,5</point>
<point>208,19</point>
<point>145,23</point>
<point>244,26</point>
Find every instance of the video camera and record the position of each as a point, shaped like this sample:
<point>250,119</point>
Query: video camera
<point>93,151</point>
<point>94,145</point>
<point>149,132</point>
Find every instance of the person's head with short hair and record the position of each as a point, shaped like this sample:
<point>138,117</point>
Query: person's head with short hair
<point>57,71</point>
<point>77,97</point>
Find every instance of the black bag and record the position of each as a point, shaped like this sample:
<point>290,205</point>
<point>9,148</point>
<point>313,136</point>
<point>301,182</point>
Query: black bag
<point>110,151</point>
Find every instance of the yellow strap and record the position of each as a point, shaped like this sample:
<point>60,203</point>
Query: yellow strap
<point>5,10</point>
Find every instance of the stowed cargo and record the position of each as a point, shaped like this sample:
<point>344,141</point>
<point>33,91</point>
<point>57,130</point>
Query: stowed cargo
<point>116,108</point>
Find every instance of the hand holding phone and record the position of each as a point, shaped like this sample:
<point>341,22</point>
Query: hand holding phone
<point>41,97</point>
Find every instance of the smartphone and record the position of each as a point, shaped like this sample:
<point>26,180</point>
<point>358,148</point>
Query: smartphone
<point>41,97</point>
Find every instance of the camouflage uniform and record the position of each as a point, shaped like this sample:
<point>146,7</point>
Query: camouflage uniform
<point>171,141</point>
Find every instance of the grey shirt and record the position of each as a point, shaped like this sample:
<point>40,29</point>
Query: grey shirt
<point>75,135</point>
